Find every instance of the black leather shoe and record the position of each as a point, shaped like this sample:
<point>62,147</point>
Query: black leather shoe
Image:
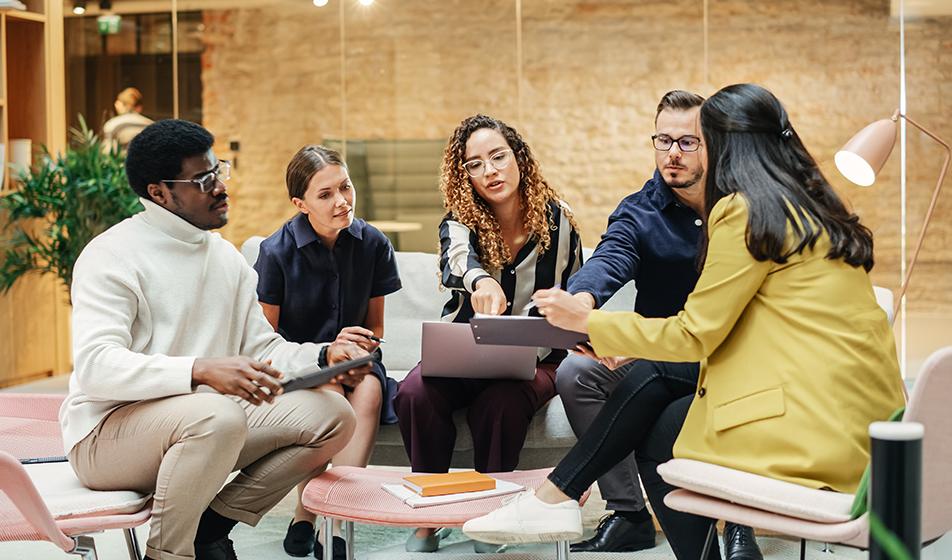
<point>299,540</point>
<point>740,544</point>
<point>616,534</point>
<point>339,549</point>
<point>222,549</point>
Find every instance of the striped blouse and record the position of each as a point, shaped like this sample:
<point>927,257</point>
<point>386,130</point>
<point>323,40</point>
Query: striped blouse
<point>529,271</point>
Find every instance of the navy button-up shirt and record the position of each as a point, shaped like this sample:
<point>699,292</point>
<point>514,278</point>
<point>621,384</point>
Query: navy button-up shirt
<point>322,290</point>
<point>652,238</point>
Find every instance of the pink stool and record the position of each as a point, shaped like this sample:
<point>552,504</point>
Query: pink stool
<point>353,494</point>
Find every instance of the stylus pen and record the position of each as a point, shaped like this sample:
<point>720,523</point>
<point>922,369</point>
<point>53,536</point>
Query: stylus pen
<point>375,339</point>
<point>532,304</point>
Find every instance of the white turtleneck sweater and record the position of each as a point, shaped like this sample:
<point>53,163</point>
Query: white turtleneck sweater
<point>150,295</point>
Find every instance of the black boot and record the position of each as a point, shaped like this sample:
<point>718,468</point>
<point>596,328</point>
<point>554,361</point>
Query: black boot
<point>222,549</point>
<point>617,534</point>
<point>740,544</point>
<point>299,540</point>
<point>339,549</point>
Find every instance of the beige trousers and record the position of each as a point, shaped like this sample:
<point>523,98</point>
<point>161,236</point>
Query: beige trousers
<point>183,448</point>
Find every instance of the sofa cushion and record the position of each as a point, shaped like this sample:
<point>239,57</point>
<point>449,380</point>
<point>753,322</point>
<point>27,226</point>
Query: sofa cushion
<point>757,491</point>
<point>67,498</point>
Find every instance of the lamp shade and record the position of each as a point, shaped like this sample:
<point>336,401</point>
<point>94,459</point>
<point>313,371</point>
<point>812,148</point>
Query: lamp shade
<point>865,154</point>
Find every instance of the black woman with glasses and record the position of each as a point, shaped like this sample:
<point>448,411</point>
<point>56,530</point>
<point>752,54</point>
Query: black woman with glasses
<point>507,234</point>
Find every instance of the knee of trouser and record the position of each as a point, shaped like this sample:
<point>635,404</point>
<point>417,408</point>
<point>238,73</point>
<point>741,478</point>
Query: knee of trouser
<point>333,418</point>
<point>574,372</point>
<point>219,417</point>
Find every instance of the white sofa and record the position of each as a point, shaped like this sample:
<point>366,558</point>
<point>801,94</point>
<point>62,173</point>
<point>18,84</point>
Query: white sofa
<point>422,299</point>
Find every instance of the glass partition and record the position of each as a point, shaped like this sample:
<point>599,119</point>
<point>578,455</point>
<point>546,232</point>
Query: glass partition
<point>387,81</point>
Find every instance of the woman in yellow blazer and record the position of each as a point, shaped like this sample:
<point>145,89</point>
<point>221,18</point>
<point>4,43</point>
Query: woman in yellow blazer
<point>797,357</point>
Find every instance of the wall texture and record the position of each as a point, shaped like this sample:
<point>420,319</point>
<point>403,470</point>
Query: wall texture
<point>592,73</point>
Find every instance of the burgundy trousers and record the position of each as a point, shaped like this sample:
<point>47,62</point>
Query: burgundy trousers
<point>499,414</point>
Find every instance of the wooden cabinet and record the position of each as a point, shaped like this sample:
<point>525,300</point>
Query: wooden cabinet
<point>34,335</point>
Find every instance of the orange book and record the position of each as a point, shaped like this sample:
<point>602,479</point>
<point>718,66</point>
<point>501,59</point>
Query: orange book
<point>449,483</point>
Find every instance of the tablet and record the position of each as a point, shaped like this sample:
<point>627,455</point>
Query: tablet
<point>521,330</point>
<point>316,376</point>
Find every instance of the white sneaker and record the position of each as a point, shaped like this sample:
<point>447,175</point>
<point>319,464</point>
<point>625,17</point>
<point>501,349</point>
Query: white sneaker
<point>527,519</point>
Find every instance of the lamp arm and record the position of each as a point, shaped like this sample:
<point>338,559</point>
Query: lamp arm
<point>932,204</point>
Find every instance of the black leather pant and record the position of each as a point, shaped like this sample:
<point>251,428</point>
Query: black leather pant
<point>644,414</point>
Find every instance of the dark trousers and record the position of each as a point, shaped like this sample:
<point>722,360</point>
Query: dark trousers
<point>498,416</point>
<point>644,414</point>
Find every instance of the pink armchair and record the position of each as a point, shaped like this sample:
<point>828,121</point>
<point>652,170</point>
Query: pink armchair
<point>757,501</point>
<point>47,501</point>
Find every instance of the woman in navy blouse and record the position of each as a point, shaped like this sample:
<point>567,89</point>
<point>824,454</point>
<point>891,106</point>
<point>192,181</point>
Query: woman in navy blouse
<point>506,235</point>
<point>323,277</point>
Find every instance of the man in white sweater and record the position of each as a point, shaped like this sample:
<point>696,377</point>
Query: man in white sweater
<point>176,368</point>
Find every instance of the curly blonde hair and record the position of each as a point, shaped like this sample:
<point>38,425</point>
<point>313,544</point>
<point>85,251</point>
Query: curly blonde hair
<point>469,209</point>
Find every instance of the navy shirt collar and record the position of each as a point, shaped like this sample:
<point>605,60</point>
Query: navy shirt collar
<point>660,192</point>
<point>304,233</point>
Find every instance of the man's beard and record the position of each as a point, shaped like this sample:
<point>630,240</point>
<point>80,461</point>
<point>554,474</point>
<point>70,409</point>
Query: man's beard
<point>178,210</point>
<point>688,183</point>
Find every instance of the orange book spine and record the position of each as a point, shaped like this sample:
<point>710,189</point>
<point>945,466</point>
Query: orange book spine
<point>458,487</point>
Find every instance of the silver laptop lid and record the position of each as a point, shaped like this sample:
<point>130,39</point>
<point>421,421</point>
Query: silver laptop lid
<point>450,350</point>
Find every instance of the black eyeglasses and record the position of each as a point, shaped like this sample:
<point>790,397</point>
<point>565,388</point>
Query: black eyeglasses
<point>687,143</point>
<point>207,182</point>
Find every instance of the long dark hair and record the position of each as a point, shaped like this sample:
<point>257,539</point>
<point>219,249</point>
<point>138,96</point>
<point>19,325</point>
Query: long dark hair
<point>752,149</point>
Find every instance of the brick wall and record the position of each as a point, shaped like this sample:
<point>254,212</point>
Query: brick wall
<point>592,75</point>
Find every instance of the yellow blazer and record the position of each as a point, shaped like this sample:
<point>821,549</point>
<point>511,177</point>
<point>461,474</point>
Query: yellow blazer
<point>799,359</point>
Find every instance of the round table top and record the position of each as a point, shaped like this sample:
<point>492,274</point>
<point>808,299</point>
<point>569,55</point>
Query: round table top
<point>394,226</point>
<point>355,494</point>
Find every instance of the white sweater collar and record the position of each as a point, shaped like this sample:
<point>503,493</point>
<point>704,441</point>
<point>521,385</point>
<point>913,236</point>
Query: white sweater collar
<point>170,224</point>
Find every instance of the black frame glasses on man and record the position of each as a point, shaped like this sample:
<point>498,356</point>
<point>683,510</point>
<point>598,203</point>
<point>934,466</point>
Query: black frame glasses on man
<point>686,143</point>
<point>207,182</point>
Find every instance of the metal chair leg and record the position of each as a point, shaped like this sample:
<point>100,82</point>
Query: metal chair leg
<point>562,550</point>
<point>803,549</point>
<point>348,527</point>
<point>827,548</point>
<point>85,547</point>
<point>328,533</point>
<point>132,544</point>
<point>711,536</point>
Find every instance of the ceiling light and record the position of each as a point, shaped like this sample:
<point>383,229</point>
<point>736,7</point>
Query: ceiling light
<point>366,2</point>
<point>320,3</point>
<point>79,7</point>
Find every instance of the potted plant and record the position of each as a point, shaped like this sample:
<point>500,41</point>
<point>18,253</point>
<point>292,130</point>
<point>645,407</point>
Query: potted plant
<point>60,205</point>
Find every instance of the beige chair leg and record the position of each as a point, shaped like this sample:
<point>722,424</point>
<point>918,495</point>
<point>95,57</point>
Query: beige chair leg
<point>328,533</point>
<point>562,550</point>
<point>85,547</point>
<point>348,530</point>
<point>132,544</point>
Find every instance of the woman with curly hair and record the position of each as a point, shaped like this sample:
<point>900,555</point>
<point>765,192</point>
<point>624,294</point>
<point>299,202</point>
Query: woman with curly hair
<point>507,233</point>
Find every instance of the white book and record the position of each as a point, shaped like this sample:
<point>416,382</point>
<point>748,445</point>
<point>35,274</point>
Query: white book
<point>414,500</point>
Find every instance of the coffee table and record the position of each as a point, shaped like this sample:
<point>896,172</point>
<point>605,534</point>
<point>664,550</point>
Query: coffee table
<point>353,494</point>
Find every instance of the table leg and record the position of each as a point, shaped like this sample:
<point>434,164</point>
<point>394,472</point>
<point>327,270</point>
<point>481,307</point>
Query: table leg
<point>348,530</point>
<point>328,533</point>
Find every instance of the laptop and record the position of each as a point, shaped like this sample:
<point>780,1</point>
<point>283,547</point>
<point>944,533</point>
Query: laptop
<point>450,350</point>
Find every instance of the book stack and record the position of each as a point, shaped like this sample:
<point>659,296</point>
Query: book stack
<point>421,490</point>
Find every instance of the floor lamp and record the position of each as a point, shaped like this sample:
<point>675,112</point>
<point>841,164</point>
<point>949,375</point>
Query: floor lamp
<point>861,159</point>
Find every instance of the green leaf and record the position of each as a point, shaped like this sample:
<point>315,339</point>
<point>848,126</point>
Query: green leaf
<point>892,546</point>
<point>60,205</point>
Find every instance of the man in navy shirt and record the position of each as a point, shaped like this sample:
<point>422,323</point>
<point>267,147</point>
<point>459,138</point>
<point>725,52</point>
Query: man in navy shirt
<point>652,238</point>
